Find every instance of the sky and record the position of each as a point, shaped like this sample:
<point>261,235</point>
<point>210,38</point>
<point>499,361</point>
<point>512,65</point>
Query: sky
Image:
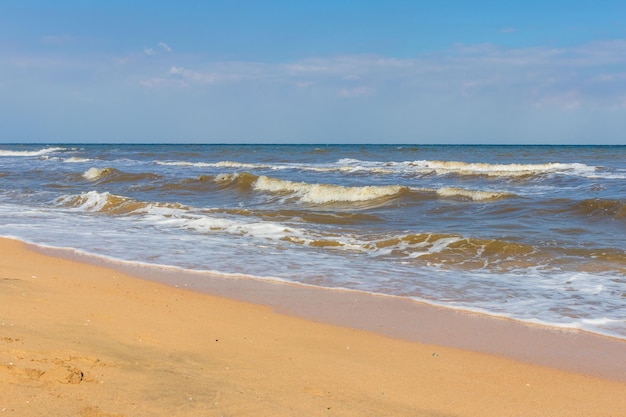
<point>240,71</point>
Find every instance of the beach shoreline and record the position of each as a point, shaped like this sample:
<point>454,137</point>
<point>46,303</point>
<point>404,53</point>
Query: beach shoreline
<point>398,317</point>
<point>92,340</point>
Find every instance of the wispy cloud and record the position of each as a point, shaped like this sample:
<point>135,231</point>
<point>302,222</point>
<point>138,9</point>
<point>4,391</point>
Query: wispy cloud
<point>484,87</point>
<point>165,47</point>
<point>161,47</point>
<point>583,76</point>
<point>178,76</point>
<point>536,77</point>
<point>191,76</point>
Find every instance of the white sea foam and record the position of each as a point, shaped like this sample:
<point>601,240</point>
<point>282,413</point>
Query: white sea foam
<point>31,153</point>
<point>206,223</point>
<point>184,164</point>
<point>424,167</point>
<point>221,164</point>
<point>105,202</point>
<point>89,201</point>
<point>241,165</point>
<point>471,194</point>
<point>326,193</point>
<point>464,168</point>
<point>432,247</point>
<point>75,159</point>
<point>497,170</point>
<point>95,173</point>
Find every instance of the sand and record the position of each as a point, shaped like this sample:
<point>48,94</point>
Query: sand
<point>85,340</point>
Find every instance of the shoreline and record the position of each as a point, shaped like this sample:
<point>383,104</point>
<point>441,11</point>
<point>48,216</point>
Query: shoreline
<point>397,317</point>
<point>80,339</point>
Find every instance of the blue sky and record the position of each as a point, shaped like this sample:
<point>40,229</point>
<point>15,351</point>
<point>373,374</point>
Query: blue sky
<point>318,71</point>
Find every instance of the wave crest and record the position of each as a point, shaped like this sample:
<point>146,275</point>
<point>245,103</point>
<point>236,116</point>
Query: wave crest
<point>472,194</point>
<point>498,170</point>
<point>31,153</point>
<point>107,203</point>
<point>326,193</point>
<point>114,175</point>
<point>420,167</point>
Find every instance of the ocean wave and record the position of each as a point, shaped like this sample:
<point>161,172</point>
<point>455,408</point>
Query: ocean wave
<point>97,173</point>
<point>325,218</point>
<point>242,180</point>
<point>326,193</point>
<point>107,203</point>
<point>177,216</point>
<point>440,248</point>
<point>599,208</point>
<point>453,251</point>
<point>419,167</point>
<point>39,152</point>
<point>220,164</point>
<point>76,159</point>
<point>302,191</point>
<point>108,175</point>
<point>319,193</point>
<point>474,195</point>
<point>448,251</point>
<point>329,193</point>
<point>498,170</point>
<point>591,208</point>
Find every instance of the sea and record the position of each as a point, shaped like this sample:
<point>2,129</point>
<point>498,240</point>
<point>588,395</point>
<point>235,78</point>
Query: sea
<point>532,233</point>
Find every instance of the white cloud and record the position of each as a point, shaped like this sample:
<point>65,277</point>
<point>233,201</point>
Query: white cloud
<point>161,47</point>
<point>165,47</point>
<point>156,82</point>
<point>532,77</point>
<point>468,86</point>
<point>176,70</point>
<point>185,77</point>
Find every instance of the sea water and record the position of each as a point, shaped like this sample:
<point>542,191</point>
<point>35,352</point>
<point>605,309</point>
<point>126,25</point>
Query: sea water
<point>534,233</point>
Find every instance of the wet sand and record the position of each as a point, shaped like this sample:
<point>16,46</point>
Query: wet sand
<point>78,339</point>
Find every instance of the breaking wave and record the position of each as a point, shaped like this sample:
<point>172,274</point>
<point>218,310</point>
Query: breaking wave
<point>31,153</point>
<point>107,203</point>
<point>325,193</point>
<point>420,167</point>
<point>442,250</point>
<point>317,193</point>
<point>76,159</point>
<point>114,175</point>
<point>472,194</point>
<point>499,170</point>
<point>328,193</point>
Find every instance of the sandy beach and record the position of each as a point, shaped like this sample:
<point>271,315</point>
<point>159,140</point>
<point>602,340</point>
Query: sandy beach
<point>86,340</point>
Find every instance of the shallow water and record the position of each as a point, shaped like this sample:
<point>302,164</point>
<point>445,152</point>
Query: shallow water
<point>535,233</point>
